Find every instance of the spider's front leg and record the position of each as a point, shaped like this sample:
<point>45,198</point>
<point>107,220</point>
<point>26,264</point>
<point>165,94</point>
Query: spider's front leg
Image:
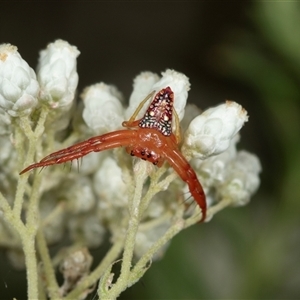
<point>187,174</point>
<point>119,138</point>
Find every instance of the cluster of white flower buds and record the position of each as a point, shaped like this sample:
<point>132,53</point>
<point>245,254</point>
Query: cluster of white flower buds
<point>55,83</point>
<point>96,197</point>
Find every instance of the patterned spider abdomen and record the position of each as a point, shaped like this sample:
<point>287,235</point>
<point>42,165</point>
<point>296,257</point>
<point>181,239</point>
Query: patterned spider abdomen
<point>159,113</point>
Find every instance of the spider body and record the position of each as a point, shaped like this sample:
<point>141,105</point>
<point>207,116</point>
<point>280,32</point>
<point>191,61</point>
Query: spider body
<point>149,138</point>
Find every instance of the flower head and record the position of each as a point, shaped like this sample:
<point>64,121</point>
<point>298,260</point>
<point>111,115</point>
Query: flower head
<point>241,180</point>
<point>103,110</point>
<point>179,84</point>
<point>57,74</point>
<point>18,85</point>
<point>142,87</point>
<point>211,132</point>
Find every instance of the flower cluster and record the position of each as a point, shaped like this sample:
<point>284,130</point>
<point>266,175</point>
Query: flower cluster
<point>111,192</point>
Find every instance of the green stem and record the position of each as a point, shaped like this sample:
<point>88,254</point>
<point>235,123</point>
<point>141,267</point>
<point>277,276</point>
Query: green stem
<point>28,242</point>
<point>109,258</point>
<point>33,137</point>
<point>28,233</point>
<point>19,198</point>
<point>141,266</point>
<point>196,217</point>
<point>133,225</point>
<point>33,205</point>
<point>28,247</point>
<point>48,270</point>
<point>10,217</point>
<point>27,239</point>
<point>156,187</point>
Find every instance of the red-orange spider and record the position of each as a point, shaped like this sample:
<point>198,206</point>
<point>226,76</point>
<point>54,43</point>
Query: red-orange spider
<point>149,138</point>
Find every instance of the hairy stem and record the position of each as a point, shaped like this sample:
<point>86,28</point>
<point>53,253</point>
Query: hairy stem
<point>109,258</point>
<point>133,225</point>
<point>28,242</point>
<point>48,270</point>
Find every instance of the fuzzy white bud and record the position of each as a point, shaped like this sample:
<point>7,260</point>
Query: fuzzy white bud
<point>53,227</point>
<point>5,122</point>
<point>142,87</point>
<point>211,132</point>
<point>179,84</point>
<point>103,110</point>
<point>57,74</point>
<point>18,85</point>
<point>107,178</point>
<point>242,179</point>
<point>213,169</point>
<point>146,238</point>
<point>74,268</point>
<point>93,231</point>
<point>79,194</point>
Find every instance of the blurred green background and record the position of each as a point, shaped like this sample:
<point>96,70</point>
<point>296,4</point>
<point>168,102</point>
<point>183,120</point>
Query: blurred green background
<point>243,51</point>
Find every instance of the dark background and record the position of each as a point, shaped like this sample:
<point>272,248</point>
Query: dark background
<point>243,51</point>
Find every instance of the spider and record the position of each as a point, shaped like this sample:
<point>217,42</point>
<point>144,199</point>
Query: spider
<point>149,138</point>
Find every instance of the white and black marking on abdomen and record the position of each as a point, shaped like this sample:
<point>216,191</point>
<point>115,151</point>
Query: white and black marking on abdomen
<point>159,113</point>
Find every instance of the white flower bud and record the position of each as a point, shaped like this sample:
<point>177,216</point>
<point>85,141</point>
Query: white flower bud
<point>86,228</point>
<point>109,184</point>
<point>179,84</point>
<point>6,149</point>
<point>242,178</point>
<point>18,85</point>
<point>80,195</point>
<point>53,227</point>
<point>5,122</point>
<point>191,112</point>
<point>103,110</point>
<point>142,87</point>
<point>57,74</point>
<point>146,238</point>
<point>147,82</point>
<point>213,170</point>
<point>89,164</point>
<point>157,206</point>
<point>93,231</point>
<point>211,132</point>
<point>74,268</point>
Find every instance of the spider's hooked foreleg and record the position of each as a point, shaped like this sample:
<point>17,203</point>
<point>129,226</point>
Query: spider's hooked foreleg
<point>177,127</point>
<point>132,122</point>
<point>187,174</point>
<point>99,143</point>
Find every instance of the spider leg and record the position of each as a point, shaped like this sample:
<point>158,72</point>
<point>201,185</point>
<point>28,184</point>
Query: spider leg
<point>132,122</point>
<point>81,146</point>
<point>177,126</point>
<point>187,174</point>
<point>99,143</point>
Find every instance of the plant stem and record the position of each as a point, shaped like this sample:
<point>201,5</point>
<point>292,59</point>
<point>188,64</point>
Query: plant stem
<point>133,225</point>
<point>146,258</point>
<point>52,286</point>
<point>27,237</point>
<point>28,242</point>
<point>109,258</point>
